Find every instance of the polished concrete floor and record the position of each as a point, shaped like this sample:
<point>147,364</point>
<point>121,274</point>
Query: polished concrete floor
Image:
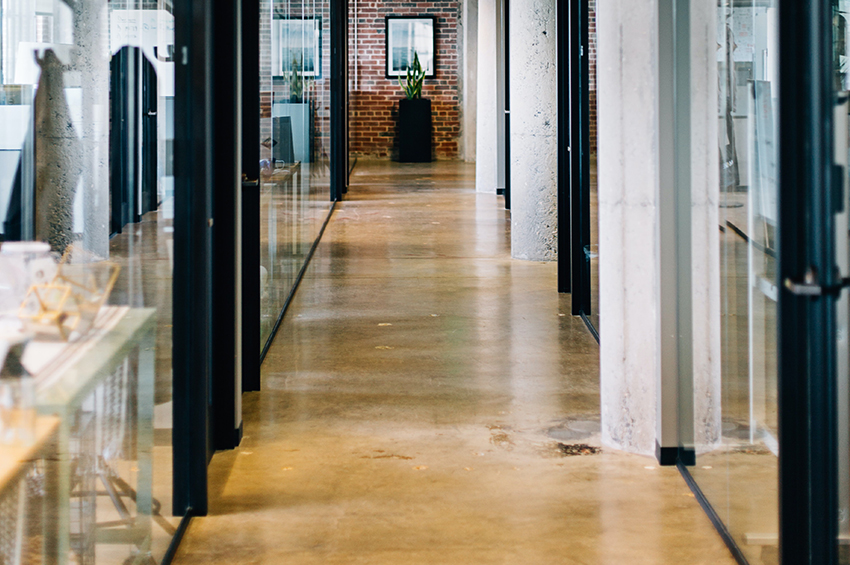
<point>419,404</point>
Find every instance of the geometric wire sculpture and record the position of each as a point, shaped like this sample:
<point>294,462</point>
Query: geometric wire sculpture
<point>71,301</point>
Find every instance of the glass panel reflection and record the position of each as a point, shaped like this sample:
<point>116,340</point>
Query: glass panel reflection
<point>295,145</point>
<point>737,455</point>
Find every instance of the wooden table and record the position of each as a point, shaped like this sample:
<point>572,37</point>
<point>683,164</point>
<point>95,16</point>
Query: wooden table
<point>16,462</point>
<point>16,459</point>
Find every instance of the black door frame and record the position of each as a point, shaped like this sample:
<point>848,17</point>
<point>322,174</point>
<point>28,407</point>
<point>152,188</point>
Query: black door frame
<point>207,170</point>
<point>808,179</point>
<point>580,157</point>
<point>564,52</point>
<point>192,292</point>
<point>506,42</point>
<point>250,194</point>
<point>226,133</point>
<point>339,99</point>
<point>574,155</point>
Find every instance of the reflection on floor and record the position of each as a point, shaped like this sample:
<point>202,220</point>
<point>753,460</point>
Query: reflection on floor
<point>294,203</point>
<point>420,401</point>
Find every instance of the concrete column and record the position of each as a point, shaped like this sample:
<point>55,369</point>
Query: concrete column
<point>486,154</point>
<point>534,132</point>
<point>470,80</point>
<point>627,94</point>
<point>630,202</point>
<point>91,61</point>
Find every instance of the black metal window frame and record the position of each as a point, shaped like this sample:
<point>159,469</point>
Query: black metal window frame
<point>574,219</point>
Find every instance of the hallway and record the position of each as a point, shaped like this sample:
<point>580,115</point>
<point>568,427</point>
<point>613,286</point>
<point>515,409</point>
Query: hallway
<point>420,401</point>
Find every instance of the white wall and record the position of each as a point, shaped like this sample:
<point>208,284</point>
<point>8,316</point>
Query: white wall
<point>486,155</point>
<point>469,21</point>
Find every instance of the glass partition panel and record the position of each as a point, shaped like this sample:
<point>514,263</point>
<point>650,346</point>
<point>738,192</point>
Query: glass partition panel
<point>735,396</point>
<point>86,220</point>
<point>295,144</point>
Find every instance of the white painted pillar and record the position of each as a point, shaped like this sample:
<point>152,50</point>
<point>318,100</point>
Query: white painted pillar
<point>486,154</point>
<point>627,94</point>
<point>470,79</point>
<point>534,130</point>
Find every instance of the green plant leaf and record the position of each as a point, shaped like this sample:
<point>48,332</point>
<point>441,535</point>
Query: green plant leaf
<point>414,79</point>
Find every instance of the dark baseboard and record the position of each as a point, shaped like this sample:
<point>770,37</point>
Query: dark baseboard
<point>593,331</point>
<point>687,456</point>
<point>666,456</point>
<point>712,515</point>
<point>500,191</point>
<point>238,433</point>
<point>178,537</point>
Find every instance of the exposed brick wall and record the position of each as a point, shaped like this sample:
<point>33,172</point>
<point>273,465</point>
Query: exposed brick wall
<point>374,98</point>
<point>592,73</point>
<point>265,75</point>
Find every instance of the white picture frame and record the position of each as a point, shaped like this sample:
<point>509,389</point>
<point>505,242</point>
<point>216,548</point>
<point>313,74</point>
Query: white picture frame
<point>406,36</point>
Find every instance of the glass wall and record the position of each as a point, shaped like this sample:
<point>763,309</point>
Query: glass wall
<point>86,123</point>
<point>295,144</point>
<point>735,396</point>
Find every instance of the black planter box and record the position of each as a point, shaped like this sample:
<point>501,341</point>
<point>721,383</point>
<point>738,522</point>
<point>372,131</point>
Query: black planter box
<point>414,130</point>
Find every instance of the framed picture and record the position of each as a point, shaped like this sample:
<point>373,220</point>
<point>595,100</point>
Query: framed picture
<point>406,36</point>
<point>297,46</point>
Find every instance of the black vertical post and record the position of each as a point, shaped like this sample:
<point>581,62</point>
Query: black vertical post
<point>507,42</point>
<point>563,62</point>
<point>339,99</point>
<point>150,109</point>
<point>192,289</point>
<point>808,505</point>
<point>250,195</point>
<point>580,155</point>
<point>227,187</point>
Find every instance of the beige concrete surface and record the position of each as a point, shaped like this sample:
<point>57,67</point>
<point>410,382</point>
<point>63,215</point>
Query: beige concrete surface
<point>414,401</point>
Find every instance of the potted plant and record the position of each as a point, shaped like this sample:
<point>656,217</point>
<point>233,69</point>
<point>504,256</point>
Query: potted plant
<point>414,117</point>
<point>296,82</point>
<point>295,141</point>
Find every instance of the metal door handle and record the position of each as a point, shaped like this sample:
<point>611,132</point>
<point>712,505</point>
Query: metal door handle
<point>810,285</point>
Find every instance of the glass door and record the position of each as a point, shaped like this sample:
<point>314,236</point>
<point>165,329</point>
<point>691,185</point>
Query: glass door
<point>733,413</point>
